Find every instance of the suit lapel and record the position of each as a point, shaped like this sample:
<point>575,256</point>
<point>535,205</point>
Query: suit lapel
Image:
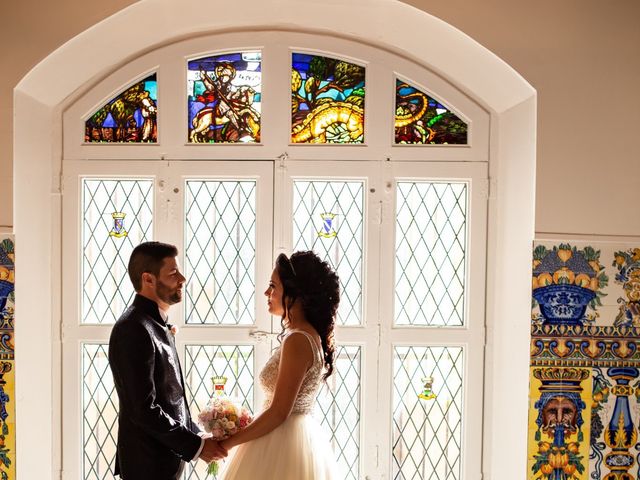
<point>172,340</point>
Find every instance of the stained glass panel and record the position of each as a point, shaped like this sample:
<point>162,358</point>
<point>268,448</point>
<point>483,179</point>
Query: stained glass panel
<point>422,119</point>
<point>220,251</point>
<point>235,362</point>
<point>99,414</point>
<point>431,236</point>
<point>117,215</point>
<point>427,434</point>
<point>338,408</point>
<point>224,94</point>
<point>327,100</point>
<point>131,117</point>
<point>328,219</point>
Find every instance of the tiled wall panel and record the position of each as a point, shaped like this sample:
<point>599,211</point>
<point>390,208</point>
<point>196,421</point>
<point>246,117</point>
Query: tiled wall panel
<point>584,408</point>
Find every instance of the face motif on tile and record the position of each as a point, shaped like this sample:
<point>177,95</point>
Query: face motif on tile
<point>559,412</point>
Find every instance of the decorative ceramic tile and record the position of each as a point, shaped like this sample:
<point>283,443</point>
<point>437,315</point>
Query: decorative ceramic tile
<point>585,317</point>
<point>614,423</point>
<point>559,423</point>
<point>7,367</point>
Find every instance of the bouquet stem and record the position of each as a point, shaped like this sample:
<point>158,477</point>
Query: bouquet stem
<point>213,469</point>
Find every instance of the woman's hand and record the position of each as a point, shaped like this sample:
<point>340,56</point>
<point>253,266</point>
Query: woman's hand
<point>226,444</point>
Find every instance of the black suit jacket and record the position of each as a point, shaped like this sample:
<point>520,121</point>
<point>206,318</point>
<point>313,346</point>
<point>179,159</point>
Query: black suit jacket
<point>156,434</point>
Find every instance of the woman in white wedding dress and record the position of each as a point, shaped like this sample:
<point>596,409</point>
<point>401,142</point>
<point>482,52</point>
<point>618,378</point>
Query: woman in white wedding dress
<point>284,442</point>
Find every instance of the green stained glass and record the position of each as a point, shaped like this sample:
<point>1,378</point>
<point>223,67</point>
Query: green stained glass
<point>131,117</point>
<point>224,95</point>
<point>421,119</point>
<point>327,100</point>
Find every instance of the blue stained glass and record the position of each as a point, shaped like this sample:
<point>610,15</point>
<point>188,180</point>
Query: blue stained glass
<point>109,122</point>
<point>421,119</point>
<point>130,117</point>
<point>327,96</point>
<point>224,98</point>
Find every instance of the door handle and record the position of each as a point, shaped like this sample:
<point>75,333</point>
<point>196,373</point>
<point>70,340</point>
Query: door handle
<point>262,335</point>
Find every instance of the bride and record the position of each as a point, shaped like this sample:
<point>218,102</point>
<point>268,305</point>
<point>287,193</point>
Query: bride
<point>283,441</point>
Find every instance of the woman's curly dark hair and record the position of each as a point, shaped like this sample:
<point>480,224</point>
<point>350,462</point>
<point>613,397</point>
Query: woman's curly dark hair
<point>306,278</point>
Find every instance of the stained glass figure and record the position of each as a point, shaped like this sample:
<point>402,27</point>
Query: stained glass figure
<point>421,119</point>
<point>327,100</point>
<point>224,98</point>
<point>131,117</point>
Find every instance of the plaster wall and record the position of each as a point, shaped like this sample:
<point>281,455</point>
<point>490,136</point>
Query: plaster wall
<point>580,56</point>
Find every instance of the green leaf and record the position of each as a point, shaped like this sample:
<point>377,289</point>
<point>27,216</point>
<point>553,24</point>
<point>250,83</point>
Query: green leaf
<point>539,252</point>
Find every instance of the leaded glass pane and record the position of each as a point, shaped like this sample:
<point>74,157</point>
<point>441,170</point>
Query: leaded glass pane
<point>99,414</point>
<point>117,215</point>
<point>427,433</point>
<point>338,407</point>
<point>328,219</point>
<point>431,239</point>
<point>206,361</point>
<point>131,117</point>
<point>327,100</point>
<point>423,119</point>
<point>220,239</point>
<point>224,94</point>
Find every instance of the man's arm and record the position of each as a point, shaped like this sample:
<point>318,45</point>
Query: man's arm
<point>132,360</point>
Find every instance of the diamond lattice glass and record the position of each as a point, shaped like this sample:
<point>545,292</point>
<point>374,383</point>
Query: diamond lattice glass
<point>99,414</point>
<point>117,215</point>
<point>338,408</point>
<point>427,434</point>
<point>328,219</point>
<point>431,236</point>
<point>220,239</point>
<point>206,361</point>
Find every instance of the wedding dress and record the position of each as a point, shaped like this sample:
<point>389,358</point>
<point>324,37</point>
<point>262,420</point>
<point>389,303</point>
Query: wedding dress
<point>298,448</point>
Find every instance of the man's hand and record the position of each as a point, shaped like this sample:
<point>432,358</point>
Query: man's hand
<point>212,450</point>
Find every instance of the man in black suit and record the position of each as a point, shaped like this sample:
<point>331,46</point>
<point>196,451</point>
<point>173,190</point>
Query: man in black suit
<point>156,435</point>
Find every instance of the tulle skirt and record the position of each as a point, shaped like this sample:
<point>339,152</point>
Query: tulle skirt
<point>296,450</point>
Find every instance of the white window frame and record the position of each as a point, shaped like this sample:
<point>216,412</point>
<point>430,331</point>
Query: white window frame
<point>379,154</point>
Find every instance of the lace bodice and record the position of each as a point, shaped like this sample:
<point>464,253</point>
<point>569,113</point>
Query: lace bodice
<point>310,384</point>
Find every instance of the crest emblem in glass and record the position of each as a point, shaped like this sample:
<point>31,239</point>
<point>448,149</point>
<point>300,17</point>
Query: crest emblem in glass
<point>427,435</point>
<point>107,245</point>
<point>338,239</point>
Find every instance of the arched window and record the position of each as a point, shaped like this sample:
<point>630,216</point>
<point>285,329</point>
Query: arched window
<point>236,151</point>
<point>394,166</point>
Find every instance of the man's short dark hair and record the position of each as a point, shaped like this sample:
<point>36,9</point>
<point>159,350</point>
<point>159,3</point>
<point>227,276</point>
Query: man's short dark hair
<point>148,257</point>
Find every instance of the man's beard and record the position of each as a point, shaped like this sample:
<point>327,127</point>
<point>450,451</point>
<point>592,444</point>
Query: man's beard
<point>168,295</point>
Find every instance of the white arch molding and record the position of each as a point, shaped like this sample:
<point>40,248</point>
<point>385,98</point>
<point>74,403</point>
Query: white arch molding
<point>43,93</point>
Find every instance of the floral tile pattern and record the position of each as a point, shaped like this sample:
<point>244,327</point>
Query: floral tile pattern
<point>7,367</point>
<point>584,409</point>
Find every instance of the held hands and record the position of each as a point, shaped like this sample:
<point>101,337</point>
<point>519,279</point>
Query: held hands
<point>212,450</point>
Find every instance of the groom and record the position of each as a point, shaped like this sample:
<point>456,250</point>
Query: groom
<point>156,435</point>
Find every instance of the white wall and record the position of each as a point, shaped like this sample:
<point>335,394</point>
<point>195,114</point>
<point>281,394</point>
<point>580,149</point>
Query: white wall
<point>47,90</point>
<point>580,55</point>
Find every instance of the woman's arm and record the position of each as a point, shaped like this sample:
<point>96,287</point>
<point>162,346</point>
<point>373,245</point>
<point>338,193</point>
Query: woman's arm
<point>295,359</point>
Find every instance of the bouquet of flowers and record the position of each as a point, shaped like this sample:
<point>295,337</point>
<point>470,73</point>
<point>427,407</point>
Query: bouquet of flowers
<point>222,417</point>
